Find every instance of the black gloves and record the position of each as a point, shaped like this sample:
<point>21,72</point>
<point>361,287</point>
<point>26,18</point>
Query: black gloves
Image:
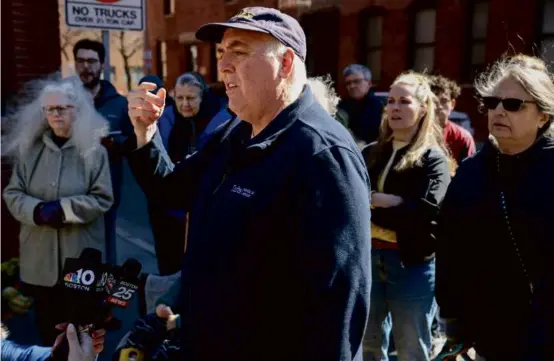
<point>49,214</point>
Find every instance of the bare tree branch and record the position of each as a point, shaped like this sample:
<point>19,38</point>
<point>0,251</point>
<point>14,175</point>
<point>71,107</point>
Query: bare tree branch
<point>127,48</point>
<point>69,36</point>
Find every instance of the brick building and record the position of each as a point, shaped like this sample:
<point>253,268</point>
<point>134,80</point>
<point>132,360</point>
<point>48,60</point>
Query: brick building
<point>30,49</point>
<point>456,38</point>
<point>30,42</point>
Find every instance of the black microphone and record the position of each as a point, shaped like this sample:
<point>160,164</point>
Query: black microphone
<point>90,289</point>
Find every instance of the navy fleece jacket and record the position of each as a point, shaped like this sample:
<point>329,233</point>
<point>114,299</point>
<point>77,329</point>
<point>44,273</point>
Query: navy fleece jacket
<point>277,265</point>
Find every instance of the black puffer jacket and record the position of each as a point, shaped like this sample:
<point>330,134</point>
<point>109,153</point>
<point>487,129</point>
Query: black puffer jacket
<point>422,188</point>
<point>494,262</point>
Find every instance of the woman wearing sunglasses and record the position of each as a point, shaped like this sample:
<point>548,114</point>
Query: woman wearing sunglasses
<point>495,279</point>
<point>59,189</point>
<point>409,173</point>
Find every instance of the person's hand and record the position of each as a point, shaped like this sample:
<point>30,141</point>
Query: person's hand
<point>163,311</point>
<point>384,200</point>
<point>81,346</point>
<point>145,109</point>
<point>108,142</point>
<point>50,214</point>
<point>98,337</point>
<point>452,350</point>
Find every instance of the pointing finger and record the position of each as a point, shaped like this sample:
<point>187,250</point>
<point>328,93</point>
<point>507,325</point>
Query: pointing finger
<point>146,86</point>
<point>161,93</point>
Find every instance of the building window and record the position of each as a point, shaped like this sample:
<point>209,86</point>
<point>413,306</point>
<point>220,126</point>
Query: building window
<point>191,54</point>
<point>374,42</point>
<point>424,40</point>
<point>477,38</point>
<point>169,7</point>
<point>162,60</point>
<point>547,32</point>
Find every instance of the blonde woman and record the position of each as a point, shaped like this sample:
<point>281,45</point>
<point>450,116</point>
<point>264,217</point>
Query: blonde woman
<point>409,173</point>
<point>59,189</point>
<point>495,282</point>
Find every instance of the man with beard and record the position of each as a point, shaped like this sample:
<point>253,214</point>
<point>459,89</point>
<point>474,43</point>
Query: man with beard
<point>89,63</point>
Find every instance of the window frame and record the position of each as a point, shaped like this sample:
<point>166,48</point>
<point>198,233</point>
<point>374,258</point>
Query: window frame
<point>413,46</point>
<point>161,59</point>
<point>364,48</point>
<point>169,7</point>
<point>470,70</point>
<point>541,36</point>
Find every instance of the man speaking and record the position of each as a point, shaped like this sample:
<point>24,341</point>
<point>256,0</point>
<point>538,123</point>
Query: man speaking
<point>277,259</point>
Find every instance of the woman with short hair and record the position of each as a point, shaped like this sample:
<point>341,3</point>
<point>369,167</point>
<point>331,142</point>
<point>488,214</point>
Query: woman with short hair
<point>185,125</point>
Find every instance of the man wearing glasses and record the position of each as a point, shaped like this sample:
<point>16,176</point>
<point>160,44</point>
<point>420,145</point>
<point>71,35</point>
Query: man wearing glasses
<point>89,63</point>
<point>362,110</point>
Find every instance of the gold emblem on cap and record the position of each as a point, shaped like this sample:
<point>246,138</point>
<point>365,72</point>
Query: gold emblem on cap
<point>243,14</point>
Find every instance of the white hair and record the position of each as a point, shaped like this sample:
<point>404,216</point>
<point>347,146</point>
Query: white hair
<point>324,93</point>
<point>299,76</point>
<point>27,122</point>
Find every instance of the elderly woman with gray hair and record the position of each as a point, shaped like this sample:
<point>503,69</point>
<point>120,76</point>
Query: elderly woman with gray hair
<point>495,281</point>
<point>184,126</point>
<point>59,189</point>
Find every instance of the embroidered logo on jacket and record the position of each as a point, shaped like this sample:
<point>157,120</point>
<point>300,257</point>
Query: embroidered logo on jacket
<point>245,192</point>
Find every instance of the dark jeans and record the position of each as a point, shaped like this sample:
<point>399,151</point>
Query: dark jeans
<point>48,311</point>
<point>169,239</point>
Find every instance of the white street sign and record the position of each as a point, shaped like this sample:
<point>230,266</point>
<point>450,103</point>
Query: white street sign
<point>106,14</point>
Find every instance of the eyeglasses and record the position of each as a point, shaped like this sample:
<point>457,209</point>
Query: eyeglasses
<point>509,104</point>
<point>354,82</point>
<point>60,109</point>
<point>90,61</point>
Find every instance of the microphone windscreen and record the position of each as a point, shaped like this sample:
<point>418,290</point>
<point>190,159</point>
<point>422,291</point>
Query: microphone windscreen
<point>131,268</point>
<point>91,255</point>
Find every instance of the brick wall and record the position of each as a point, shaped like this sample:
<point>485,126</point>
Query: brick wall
<point>30,42</point>
<point>30,49</point>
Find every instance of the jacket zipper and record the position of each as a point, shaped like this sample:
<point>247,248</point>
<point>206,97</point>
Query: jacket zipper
<point>58,231</point>
<point>514,242</point>
<point>223,179</point>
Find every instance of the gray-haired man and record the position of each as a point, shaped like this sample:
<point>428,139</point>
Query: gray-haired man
<point>277,265</point>
<point>362,110</point>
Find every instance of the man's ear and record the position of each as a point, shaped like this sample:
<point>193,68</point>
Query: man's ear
<point>287,63</point>
<point>453,103</point>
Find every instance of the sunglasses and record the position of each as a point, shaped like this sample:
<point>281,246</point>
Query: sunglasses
<point>509,104</point>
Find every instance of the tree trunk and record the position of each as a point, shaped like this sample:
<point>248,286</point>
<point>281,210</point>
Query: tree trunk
<point>127,71</point>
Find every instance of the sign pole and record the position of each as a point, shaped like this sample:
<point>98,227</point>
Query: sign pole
<point>107,64</point>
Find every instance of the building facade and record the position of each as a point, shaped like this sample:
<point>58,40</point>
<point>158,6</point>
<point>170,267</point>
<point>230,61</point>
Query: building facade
<point>30,49</point>
<point>456,38</point>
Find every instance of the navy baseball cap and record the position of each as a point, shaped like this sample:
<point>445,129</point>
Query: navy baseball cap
<point>281,26</point>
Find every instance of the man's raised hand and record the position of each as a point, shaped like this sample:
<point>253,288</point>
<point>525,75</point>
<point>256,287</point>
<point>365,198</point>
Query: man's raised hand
<point>145,109</point>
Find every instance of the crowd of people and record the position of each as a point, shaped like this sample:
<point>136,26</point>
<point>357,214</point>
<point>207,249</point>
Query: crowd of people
<point>305,227</point>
